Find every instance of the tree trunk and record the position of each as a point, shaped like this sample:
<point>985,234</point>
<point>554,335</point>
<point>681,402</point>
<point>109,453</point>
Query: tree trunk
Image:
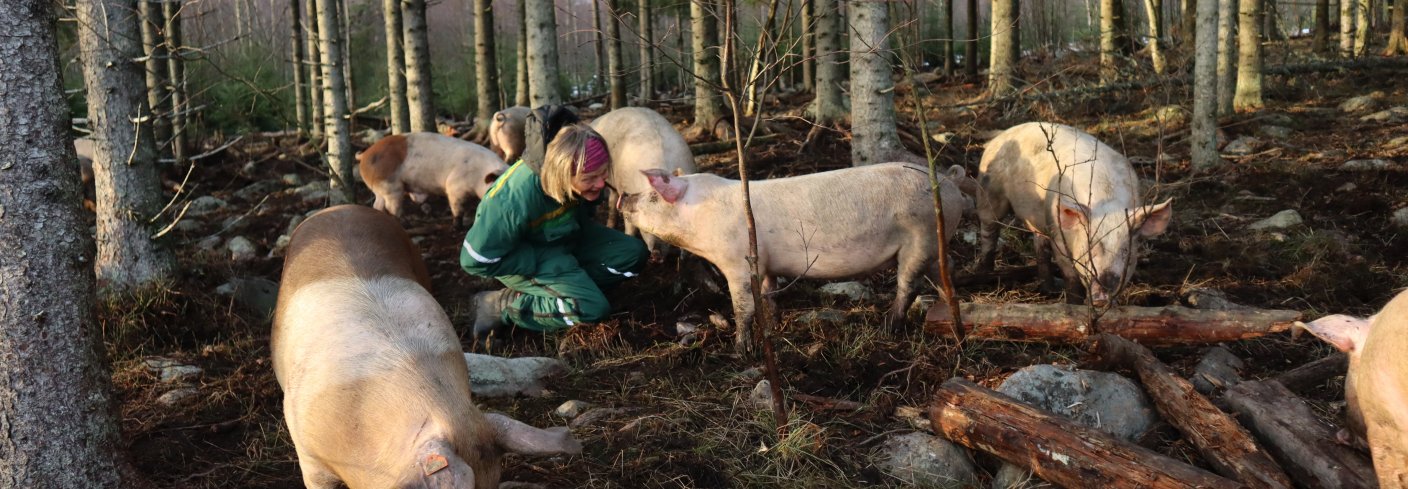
<point>1109,50</point>
<point>1075,324</point>
<point>601,72</point>
<point>808,46</point>
<point>970,55</point>
<point>396,67</point>
<point>344,24</point>
<point>1397,42</point>
<point>828,107</point>
<point>765,50</point>
<point>708,105</point>
<point>682,45</point>
<point>335,123</point>
<point>948,36</point>
<point>542,53</point>
<point>1190,24</point>
<point>1271,25</point>
<point>486,65</point>
<point>874,136</point>
<point>1248,96</point>
<point>300,106</point>
<point>1204,155</point>
<point>521,84</point>
<point>59,429</point>
<point>615,61</point>
<point>315,70</point>
<point>128,189</point>
<point>153,46</point>
<point>1321,42</point>
<point>176,77</point>
<point>647,52</point>
<point>1156,33</point>
<point>1362,13</point>
<point>1226,55</point>
<point>1303,443</point>
<point>1001,57</point>
<point>420,101</point>
<point>1347,16</point>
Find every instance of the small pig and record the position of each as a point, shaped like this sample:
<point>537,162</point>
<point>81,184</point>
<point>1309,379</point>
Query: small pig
<point>641,139</point>
<point>1079,196</point>
<point>828,225</point>
<point>423,163</point>
<point>1376,388</point>
<point>506,132</point>
<point>376,389</point>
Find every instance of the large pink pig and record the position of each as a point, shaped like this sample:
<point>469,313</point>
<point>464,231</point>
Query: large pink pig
<point>641,139</point>
<point>420,164</point>
<point>506,133</point>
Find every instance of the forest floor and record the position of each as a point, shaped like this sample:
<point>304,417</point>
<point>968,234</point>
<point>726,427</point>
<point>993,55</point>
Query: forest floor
<point>695,424</point>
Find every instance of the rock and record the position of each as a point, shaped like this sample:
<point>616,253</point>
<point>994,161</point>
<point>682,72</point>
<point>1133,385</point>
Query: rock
<point>1278,120</point>
<point>761,396</point>
<point>1281,220</point>
<point>1362,103</point>
<point>241,248</point>
<point>293,223</point>
<point>1390,116</point>
<point>1171,116</point>
<point>292,179</point>
<point>1276,132</point>
<point>1347,187</point>
<point>492,376</point>
<point>1210,299</point>
<point>1366,165</point>
<point>312,191</point>
<point>1218,369</point>
<point>751,374</point>
<point>178,396</point>
<point>279,246</point>
<point>1141,161</point>
<point>209,243</point>
<point>595,415</point>
<point>854,290</point>
<point>830,316</point>
<point>571,409</point>
<point>522,485</point>
<point>1244,145</point>
<point>189,224</point>
<point>1400,218</point>
<point>259,295</point>
<point>171,371</point>
<point>205,204</point>
<point>257,190</point>
<point>233,223</point>
<point>596,106</point>
<point>943,137</point>
<point>924,460</point>
<point>1396,143</point>
<point>1102,400</point>
<point>917,417</point>
<point>1013,477</point>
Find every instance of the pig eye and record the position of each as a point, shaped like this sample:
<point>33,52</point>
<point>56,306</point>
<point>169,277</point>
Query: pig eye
<point>654,197</point>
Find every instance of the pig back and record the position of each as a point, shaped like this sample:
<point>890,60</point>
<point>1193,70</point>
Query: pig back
<point>1035,163</point>
<point>350,241</point>
<point>641,139</point>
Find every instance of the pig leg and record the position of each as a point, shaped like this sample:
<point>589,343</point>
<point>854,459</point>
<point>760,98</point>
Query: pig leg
<point>739,288</point>
<point>459,202</point>
<point>1044,276</point>
<point>993,206</point>
<point>913,261</point>
<point>315,474</point>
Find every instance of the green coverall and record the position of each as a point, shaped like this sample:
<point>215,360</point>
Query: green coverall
<point>555,255</point>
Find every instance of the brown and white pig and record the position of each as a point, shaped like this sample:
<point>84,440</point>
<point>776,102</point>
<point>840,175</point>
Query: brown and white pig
<point>641,139</point>
<point>506,132</point>
<point>376,389</point>
<point>827,225</point>
<point>1376,388</point>
<point>1078,195</point>
<point>426,163</point>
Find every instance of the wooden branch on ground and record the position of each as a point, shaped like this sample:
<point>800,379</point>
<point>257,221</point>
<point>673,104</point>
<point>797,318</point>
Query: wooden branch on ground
<point>1075,324</point>
<point>1227,446</point>
<point>1055,448</point>
<point>1302,443</point>
<point>722,146</point>
<point>1310,375</point>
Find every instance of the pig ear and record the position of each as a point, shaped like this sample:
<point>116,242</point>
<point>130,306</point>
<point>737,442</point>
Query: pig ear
<point>517,437</point>
<point>491,177</point>
<point>669,188</point>
<point>1345,333</point>
<point>956,173</point>
<point>1152,220</point>
<point>1072,214</point>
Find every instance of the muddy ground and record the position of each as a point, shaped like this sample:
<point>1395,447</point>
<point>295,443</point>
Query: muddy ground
<point>694,426</point>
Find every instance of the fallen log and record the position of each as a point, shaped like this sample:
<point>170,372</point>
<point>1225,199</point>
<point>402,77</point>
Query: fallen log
<point>1055,448</point>
<point>1310,375</point>
<point>1228,447</point>
<point>1303,444</point>
<point>1075,324</point>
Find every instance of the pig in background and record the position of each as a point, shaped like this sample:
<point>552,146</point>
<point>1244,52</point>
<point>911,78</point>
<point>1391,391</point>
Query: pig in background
<point>506,133</point>
<point>425,163</point>
<point>641,139</point>
<point>1376,387</point>
<point>1079,196</point>
<point>376,390</point>
<point>828,225</point>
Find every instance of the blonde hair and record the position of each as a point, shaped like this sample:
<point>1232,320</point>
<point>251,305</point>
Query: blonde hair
<point>565,155</point>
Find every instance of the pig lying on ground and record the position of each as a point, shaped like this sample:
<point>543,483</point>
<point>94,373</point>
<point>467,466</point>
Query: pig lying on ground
<point>641,139</point>
<point>376,391</point>
<point>424,163</point>
<point>506,132</point>
<point>827,225</point>
<point>1078,195</point>
<point>1376,388</point>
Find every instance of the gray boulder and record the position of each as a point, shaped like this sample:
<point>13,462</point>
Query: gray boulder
<point>259,295</point>
<point>1281,220</point>
<point>854,290</point>
<point>492,376</point>
<point>924,460</point>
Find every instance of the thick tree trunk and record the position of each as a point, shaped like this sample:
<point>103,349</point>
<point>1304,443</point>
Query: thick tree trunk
<point>947,7</point>
<point>1292,433</point>
<point>1155,15</point>
<point>1004,35</point>
<point>153,46</point>
<point>396,67</point>
<point>1223,443</point>
<point>970,54</point>
<point>1075,324</point>
<point>1203,154</point>
<point>1347,16</point>
<point>647,52</point>
<point>300,105</point>
<point>1109,50</point>
<point>708,105</point>
<point>315,70</point>
<point>615,61</point>
<point>59,429</point>
<point>339,154</point>
<point>1362,13</point>
<point>1397,42</point>
<point>1321,42</point>
<point>808,46</point>
<point>486,66</point>
<point>420,99</point>
<point>344,25</point>
<point>176,78</point>
<point>520,96</point>
<point>1189,35</point>
<point>1248,97</point>
<point>1226,54</point>
<point>1055,448</point>
<point>542,53</point>
<point>128,189</point>
<point>874,135</point>
<point>828,106</point>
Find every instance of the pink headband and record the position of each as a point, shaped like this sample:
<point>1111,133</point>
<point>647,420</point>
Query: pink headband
<point>594,157</point>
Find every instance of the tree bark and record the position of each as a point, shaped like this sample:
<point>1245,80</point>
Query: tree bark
<point>808,46</point>
<point>1001,57</point>
<point>828,107</point>
<point>647,52</point>
<point>521,86</point>
<point>1109,69</point>
<point>1075,324</point>
<point>708,105</point>
<point>948,35</point>
<point>1248,97</point>
<point>486,66</point>
<point>756,83</point>
<point>176,77</point>
<point>1397,41</point>
<point>1303,444</point>
<point>1321,42</point>
<point>1311,375</point>
<point>874,135</point>
<point>344,25</point>
<point>542,53</point>
<point>1055,448</point>
<point>339,153</point>
<point>615,61</point>
<point>1362,13</point>
<point>1203,154</point>
<point>1190,24</point>
<point>682,45</point>
<point>970,55</point>
<point>153,46</point>
<point>59,430</point>
<point>420,101</point>
<point>396,67</point>
<point>300,106</point>
<point>315,70</point>
<point>1155,10</point>
<point>1347,16</point>
<point>601,73</point>
<point>1226,55</point>
<point>128,189</point>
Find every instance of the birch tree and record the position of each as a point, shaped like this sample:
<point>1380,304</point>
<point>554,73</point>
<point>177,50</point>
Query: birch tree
<point>486,66</point>
<point>335,124</point>
<point>395,66</point>
<point>419,97</point>
<point>1155,9</point>
<point>175,77</point>
<point>521,86</point>
<point>1248,96</point>
<point>828,106</point>
<point>315,69</point>
<point>300,106</point>
<point>154,47</point>
<point>542,53</point>
<point>1204,125</point>
<point>1347,31</point>
<point>1226,55</point>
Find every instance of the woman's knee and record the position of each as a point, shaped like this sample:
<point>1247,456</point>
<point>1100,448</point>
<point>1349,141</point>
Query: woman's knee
<point>593,307</point>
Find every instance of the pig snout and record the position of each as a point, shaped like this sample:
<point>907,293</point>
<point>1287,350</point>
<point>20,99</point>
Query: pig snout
<point>626,203</point>
<point>1102,287</point>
